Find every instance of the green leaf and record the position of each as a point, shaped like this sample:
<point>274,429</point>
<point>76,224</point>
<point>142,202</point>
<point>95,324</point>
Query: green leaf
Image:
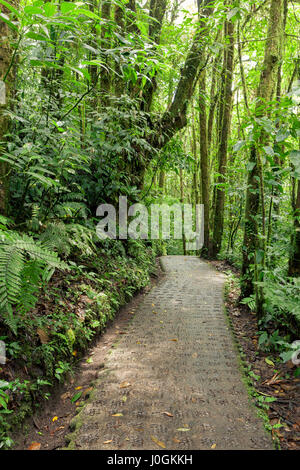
<point>37,36</point>
<point>295,160</point>
<point>269,362</point>
<point>3,403</point>
<point>88,13</point>
<point>287,356</point>
<point>50,9</point>
<point>239,145</point>
<point>250,166</point>
<point>66,7</point>
<point>259,256</point>
<point>282,135</point>
<point>269,151</point>
<point>33,10</point>
<point>76,397</point>
<point>235,12</point>
<point>10,7</point>
<point>6,20</point>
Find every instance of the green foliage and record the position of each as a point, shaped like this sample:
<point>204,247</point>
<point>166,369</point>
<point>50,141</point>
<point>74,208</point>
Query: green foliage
<point>23,263</point>
<point>282,303</point>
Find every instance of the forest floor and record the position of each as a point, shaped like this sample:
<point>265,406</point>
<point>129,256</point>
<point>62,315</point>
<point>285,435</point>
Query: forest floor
<point>173,379</point>
<point>270,378</point>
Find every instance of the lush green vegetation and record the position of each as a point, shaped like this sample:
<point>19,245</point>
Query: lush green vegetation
<point>161,102</point>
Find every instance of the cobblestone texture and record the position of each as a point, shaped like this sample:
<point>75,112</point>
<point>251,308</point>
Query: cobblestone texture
<point>178,357</point>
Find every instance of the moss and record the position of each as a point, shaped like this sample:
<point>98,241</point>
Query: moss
<point>244,368</point>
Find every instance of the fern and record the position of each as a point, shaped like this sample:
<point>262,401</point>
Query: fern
<point>64,238</point>
<point>11,265</point>
<point>55,237</point>
<point>22,264</point>
<point>31,275</point>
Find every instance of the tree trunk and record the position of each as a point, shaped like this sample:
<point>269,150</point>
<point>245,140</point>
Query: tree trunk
<point>182,206</point>
<point>7,81</point>
<point>105,75</point>
<point>264,92</point>
<point>224,130</point>
<point>204,162</point>
<point>161,182</point>
<point>294,262</point>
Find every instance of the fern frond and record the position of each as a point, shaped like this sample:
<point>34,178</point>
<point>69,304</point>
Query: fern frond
<point>11,265</point>
<point>20,276</point>
<point>39,252</point>
<point>55,237</point>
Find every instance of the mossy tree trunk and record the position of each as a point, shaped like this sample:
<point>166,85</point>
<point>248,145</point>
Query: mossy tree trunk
<point>224,130</point>
<point>7,81</point>
<point>252,244</point>
<point>204,162</point>
<point>294,262</point>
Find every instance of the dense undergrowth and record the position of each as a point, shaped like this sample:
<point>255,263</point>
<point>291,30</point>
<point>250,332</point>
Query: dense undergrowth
<point>45,339</point>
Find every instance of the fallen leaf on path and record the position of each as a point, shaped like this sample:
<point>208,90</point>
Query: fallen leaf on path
<point>177,441</point>
<point>183,429</point>
<point>34,446</point>
<point>66,395</point>
<point>125,384</point>
<point>107,442</point>
<point>117,415</point>
<point>78,388</point>
<point>174,339</point>
<point>55,430</point>
<point>167,414</point>
<point>55,418</point>
<point>87,392</point>
<point>213,446</point>
<point>159,443</point>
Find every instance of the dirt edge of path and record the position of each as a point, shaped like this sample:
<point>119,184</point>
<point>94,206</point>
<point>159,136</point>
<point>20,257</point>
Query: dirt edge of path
<point>282,417</point>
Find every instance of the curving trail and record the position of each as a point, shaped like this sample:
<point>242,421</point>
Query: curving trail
<point>173,380</point>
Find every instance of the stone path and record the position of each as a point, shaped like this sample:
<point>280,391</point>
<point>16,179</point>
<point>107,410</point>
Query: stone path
<point>177,358</point>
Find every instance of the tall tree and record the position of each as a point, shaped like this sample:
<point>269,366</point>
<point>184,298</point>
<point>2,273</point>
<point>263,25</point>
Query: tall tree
<point>204,162</point>
<point>251,259</point>
<point>7,80</point>
<point>294,261</point>
<point>224,130</point>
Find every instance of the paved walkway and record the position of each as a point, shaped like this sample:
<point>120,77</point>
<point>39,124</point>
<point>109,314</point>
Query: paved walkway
<point>174,379</point>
